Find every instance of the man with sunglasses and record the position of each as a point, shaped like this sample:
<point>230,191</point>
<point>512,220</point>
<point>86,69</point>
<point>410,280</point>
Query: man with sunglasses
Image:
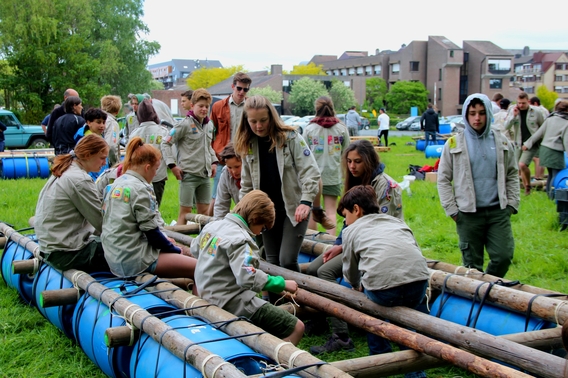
<point>226,115</point>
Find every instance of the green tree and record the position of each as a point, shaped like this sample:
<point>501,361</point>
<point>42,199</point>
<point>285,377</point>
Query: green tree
<point>405,94</point>
<point>274,96</point>
<point>342,96</point>
<point>307,69</point>
<point>376,92</point>
<point>546,97</point>
<point>93,47</point>
<point>304,93</point>
<point>206,77</point>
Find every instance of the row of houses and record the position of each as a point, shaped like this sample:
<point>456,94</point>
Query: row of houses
<point>449,72</point>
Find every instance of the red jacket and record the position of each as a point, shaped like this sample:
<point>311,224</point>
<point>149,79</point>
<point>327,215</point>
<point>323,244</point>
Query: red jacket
<point>221,118</point>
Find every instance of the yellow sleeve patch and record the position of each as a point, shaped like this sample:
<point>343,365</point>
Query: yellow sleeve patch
<point>453,142</point>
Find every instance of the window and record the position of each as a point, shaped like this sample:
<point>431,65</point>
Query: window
<point>565,90</point>
<point>368,70</point>
<point>352,71</point>
<point>414,66</point>
<point>451,53</point>
<point>495,83</point>
<point>378,69</point>
<point>359,70</point>
<point>440,74</point>
<point>335,72</point>
<point>499,65</point>
<point>439,94</point>
<point>343,72</point>
<point>558,89</point>
<point>395,68</point>
<point>558,78</point>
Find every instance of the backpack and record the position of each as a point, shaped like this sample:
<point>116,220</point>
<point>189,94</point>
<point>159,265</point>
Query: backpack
<point>414,170</point>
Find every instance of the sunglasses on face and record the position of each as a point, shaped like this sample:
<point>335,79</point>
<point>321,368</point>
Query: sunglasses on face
<point>242,89</point>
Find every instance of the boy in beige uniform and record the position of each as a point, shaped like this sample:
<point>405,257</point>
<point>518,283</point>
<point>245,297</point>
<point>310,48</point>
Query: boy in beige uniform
<point>196,159</point>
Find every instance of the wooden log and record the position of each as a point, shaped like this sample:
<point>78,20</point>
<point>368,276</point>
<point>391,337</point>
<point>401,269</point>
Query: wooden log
<point>121,336</point>
<point>199,218</point>
<point>29,266</point>
<point>550,309</point>
<point>477,341</point>
<point>413,340</point>
<point>373,139</point>
<point>20,239</point>
<point>196,355</point>
<point>257,339</point>
<point>474,273</point>
<point>565,335</point>
<point>186,229</point>
<point>59,297</point>
<point>179,238</point>
<point>314,248</point>
<point>181,282</point>
<point>388,364</point>
<point>319,236</point>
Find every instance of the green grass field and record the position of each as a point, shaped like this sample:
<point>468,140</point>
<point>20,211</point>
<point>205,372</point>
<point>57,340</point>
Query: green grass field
<point>31,347</point>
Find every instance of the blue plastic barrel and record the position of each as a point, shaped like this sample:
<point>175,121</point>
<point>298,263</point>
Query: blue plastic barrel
<point>92,317</point>
<point>566,159</point>
<point>493,320</point>
<point>445,128</point>
<point>24,167</point>
<point>434,151</point>
<point>420,144</point>
<point>150,359</point>
<point>561,180</point>
<point>23,283</point>
<point>60,316</point>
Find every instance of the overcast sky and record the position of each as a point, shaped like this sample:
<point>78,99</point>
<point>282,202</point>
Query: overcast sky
<point>258,33</point>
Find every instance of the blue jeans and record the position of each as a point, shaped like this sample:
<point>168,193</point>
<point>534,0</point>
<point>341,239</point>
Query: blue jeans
<point>427,136</point>
<point>2,146</point>
<point>408,295</point>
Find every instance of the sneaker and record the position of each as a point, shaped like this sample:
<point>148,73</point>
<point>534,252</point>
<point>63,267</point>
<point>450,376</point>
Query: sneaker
<point>320,217</point>
<point>333,344</point>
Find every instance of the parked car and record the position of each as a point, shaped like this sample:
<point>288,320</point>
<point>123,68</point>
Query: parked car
<point>21,136</point>
<point>365,124</point>
<point>405,125</point>
<point>286,117</point>
<point>302,123</point>
<point>455,121</point>
<point>291,120</point>
<point>415,126</point>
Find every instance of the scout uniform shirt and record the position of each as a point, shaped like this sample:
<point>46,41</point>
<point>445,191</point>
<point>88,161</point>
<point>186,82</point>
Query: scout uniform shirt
<point>129,209</point>
<point>68,211</point>
<point>193,140</point>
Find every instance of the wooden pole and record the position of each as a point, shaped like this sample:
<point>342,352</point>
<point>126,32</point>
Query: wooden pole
<point>263,343</point>
<point>416,341</point>
<point>388,364</point>
<point>199,218</point>
<point>195,355</point>
<point>186,229</point>
<point>179,238</point>
<point>318,236</point>
<point>477,341</point>
<point>476,274</point>
<point>550,309</point>
<point>20,239</point>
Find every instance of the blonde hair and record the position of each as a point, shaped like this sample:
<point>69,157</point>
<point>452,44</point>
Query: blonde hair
<point>256,209</point>
<point>277,130</point>
<point>88,146</point>
<point>201,94</point>
<point>139,153</point>
<point>111,104</point>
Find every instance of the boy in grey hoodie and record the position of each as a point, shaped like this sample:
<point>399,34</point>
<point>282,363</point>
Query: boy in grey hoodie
<point>486,159</point>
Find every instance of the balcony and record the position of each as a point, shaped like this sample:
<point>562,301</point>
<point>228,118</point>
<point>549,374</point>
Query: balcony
<point>528,71</point>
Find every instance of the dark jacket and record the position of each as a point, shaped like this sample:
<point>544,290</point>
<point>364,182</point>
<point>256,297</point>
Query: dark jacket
<point>63,131</point>
<point>430,121</point>
<point>54,115</point>
<point>2,129</point>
